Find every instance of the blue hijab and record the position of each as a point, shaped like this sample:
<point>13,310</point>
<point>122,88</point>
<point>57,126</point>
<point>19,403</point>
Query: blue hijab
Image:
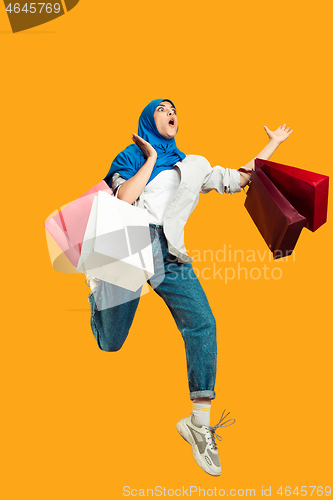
<point>131,159</point>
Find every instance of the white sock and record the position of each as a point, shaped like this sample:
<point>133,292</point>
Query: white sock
<point>201,414</point>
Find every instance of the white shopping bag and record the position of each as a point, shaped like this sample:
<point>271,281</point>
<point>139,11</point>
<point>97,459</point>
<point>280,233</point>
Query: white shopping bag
<point>117,246</point>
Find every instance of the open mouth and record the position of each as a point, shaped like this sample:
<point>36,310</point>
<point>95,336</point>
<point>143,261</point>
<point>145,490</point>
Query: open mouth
<point>171,122</point>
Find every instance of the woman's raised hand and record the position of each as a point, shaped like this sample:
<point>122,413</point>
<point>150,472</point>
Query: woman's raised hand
<point>280,134</point>
<point>146,148</point>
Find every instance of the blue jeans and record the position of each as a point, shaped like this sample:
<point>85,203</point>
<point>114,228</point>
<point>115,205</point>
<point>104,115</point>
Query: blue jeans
<point>182,292</point>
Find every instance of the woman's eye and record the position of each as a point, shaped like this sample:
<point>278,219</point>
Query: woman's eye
<point>163,109</point>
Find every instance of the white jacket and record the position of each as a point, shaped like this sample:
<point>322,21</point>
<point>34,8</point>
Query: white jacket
<point>196,176</point>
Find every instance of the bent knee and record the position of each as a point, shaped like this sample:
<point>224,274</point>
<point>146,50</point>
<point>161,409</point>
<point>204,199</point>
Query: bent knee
<point>107,341</point>
<point>109,346</point>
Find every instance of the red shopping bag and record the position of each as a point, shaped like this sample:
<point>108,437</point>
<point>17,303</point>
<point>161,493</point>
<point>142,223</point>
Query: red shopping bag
<point>277,220</point>
<point>306,191</point>
<point>67,227</point>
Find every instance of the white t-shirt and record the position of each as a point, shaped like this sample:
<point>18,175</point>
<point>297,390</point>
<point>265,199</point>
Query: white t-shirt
<point>159,192</point>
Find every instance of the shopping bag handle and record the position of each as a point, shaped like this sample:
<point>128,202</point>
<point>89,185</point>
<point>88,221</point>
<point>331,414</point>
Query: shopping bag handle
<point>249,182</point>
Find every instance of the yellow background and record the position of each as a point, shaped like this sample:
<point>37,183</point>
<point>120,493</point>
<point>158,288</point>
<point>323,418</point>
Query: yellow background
<point>79,423</point>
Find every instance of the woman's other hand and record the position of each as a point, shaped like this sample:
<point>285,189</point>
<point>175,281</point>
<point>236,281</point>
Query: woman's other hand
<point>280,134</point>
<point>146,148</point>
<point>132,188</point>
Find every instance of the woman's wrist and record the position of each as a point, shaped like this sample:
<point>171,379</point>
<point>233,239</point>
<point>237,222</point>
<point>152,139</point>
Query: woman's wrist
<point>264,154</point>
<point>133,187</point>
<point>273,143</point>
<point>268,150</point>
<point>244,178</point>
<point>152,157</point>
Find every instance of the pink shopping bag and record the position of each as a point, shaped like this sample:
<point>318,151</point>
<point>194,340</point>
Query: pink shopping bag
<point>67,227</point>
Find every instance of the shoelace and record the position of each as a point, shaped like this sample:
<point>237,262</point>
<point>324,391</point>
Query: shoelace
<point>221,423</point>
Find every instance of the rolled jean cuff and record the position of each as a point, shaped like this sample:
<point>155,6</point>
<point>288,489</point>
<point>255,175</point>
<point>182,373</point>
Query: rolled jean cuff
<point>202,394</point>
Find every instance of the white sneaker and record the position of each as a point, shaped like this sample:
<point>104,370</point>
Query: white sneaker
<point>202,440</point>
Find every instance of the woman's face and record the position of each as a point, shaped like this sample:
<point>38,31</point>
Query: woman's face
<point>166,119</point>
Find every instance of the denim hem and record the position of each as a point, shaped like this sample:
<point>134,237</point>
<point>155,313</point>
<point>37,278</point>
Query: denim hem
<point>202,394</point>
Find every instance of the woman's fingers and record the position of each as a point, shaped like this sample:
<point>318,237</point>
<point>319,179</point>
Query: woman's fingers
<point>146,148</point>
<point>284,128</point>
<point>288,130</point>
<point>139,141</point>
<point>135,136</point>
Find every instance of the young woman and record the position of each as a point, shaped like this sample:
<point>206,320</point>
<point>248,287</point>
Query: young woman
<point>155,175</point>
